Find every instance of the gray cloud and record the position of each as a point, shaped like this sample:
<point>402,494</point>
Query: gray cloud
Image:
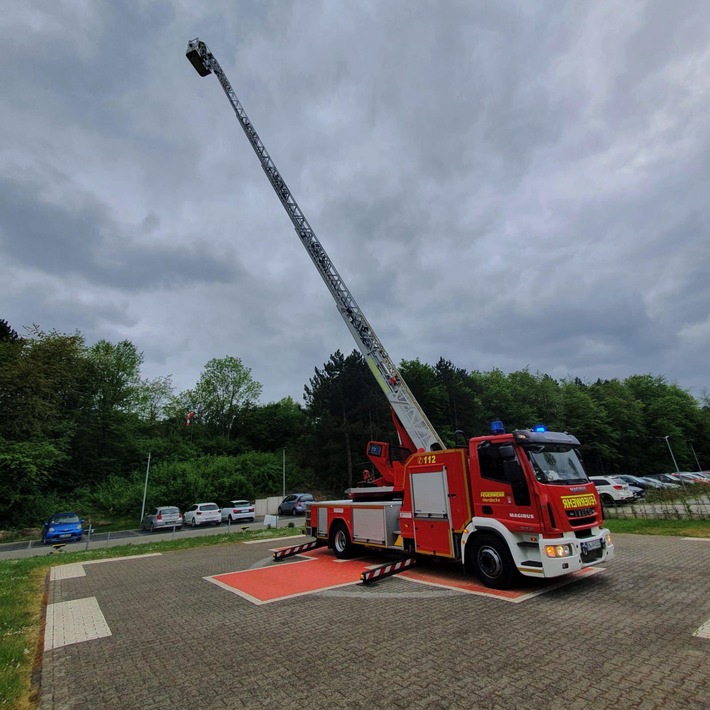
<point>504,185</point>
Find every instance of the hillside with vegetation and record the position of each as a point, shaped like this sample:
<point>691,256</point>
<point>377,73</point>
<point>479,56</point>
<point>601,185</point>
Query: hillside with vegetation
<point>79,422</point>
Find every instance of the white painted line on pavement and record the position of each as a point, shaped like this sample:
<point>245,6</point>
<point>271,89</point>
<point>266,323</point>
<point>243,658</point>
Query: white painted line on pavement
<point>698,539</point>
<point>273,539</point>
<point>120,559</point>
<point>76,569</point>
<point>73,622</point>
<point>704,631</point>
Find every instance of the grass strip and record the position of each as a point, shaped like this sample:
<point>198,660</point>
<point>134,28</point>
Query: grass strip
<point>648,526</point>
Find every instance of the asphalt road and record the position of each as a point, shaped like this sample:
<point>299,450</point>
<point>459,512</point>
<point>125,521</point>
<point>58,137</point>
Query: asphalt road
<point>33,548</point>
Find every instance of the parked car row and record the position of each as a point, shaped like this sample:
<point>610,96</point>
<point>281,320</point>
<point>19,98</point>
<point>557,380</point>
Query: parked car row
<point>624,488</point>
<point>211,514</point>
<point>683,478</point>
<point>198,514</point>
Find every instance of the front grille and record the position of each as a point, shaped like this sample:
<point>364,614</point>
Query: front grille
<point>582,516</point>
<point>580,512</point>
<point>578,522</point>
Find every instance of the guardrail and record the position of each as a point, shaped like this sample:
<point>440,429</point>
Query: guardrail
<point>689,502</point>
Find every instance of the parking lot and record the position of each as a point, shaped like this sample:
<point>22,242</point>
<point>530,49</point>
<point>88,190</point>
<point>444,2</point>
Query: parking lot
<point>162,633</point>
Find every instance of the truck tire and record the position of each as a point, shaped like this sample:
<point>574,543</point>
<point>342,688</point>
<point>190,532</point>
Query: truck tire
<point>340,541</point>
<point>493,563</point>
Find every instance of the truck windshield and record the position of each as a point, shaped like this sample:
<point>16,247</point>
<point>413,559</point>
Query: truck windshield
<point>556,464</point>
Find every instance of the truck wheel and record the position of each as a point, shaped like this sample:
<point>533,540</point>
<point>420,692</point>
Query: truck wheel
<point>340,541</point>
<point>493,563</point>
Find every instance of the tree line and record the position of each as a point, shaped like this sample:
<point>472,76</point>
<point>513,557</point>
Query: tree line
<point>78,423</point>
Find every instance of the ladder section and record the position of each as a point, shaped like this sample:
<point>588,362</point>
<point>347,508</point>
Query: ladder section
<point>386,373</point>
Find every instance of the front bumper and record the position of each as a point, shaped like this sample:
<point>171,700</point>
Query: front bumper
<point>586,552</point>
<point>72,536</point>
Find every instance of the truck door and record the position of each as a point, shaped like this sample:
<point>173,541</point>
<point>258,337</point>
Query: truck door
<point>504,493</point>
<point>431,510</point>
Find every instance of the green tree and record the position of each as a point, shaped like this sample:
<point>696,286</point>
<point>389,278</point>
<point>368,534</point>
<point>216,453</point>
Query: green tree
<point>627,439</point>
<point>7,333</point>
<point>667,410</point>
<point>271,427</point>
<point>346,408</point>
<point>462,402</point>
<point>586,419</point>
<point>110,436</point>
<point>153,397</point>
<point>42,392</point>
<point>224,387</point>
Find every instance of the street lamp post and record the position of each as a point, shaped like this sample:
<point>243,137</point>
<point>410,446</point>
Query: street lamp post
<point>284,473</point>
<point>145,488</point>
<point>671,450</point>
<point>696,457</point>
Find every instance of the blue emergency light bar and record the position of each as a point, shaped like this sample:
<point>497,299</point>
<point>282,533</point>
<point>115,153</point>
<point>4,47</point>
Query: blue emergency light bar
<point>497,427</point>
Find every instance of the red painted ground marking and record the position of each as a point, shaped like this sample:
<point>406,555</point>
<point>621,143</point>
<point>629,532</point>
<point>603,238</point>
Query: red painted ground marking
<point>450,579</point>
<point>318,570</point>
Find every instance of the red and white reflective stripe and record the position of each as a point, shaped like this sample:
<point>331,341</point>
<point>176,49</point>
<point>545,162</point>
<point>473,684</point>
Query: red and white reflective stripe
<point>287,551</point>
<point>371,575</point>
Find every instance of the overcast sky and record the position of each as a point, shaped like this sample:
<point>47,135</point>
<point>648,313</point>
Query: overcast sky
<point>502,184</point>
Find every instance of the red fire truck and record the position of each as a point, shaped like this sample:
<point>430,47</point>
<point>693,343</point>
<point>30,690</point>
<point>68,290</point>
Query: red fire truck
<point>503,505</point>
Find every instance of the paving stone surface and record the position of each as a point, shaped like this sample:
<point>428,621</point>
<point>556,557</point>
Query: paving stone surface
<point>620,639</point>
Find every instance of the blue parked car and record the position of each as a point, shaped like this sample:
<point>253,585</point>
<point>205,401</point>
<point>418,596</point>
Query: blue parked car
<point>62,527</point>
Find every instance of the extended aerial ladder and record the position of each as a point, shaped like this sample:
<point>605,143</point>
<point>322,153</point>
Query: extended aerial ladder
<point>406,408</point>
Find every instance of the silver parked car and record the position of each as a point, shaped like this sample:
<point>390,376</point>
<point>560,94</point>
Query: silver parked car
<point>164,516</point>
<point>295,504</point>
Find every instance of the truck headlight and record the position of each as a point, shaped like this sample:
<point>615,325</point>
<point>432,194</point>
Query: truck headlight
<point>558,550</point>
